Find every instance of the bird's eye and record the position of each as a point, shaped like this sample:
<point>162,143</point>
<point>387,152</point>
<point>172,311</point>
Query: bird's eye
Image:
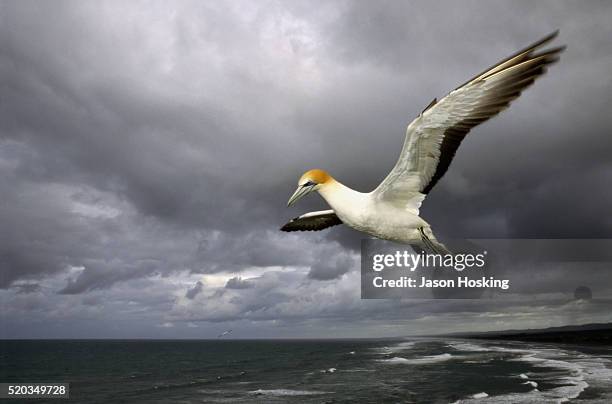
<point>309,184</point>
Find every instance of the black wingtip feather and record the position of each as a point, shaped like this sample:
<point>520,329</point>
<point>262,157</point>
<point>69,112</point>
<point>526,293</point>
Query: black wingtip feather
<point>311,223</point>
<point>526,68</point>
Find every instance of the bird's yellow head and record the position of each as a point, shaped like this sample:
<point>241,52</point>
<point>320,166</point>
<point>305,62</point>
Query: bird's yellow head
<point>316,176</point>
<point>311,180</point>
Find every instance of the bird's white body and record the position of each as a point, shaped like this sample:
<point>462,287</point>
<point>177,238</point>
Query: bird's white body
<point>369,214</point>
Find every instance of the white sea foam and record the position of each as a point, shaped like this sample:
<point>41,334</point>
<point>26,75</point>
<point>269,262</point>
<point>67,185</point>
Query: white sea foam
<point>466,346</point>
<point>424,360</point>
<point>571,371</point>
<point>395,360</point>
<point>573,384</point>
<point>402,346</point>
<point>286,392</point>
<point>480,395</point>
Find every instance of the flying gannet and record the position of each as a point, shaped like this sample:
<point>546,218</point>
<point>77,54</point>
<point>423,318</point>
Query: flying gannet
<point>224,333</point>
<point>391,211</point>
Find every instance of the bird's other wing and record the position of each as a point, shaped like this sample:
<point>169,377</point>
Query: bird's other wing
<point>313,221</point>
<point>434,136</point>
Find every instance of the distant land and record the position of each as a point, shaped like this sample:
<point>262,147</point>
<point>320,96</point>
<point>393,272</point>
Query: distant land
<point>587,334</point>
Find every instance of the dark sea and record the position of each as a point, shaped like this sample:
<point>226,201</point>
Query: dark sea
<point>324,371</point>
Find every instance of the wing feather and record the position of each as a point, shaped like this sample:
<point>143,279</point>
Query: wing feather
<point>313,221</point>
<point>433,138</point>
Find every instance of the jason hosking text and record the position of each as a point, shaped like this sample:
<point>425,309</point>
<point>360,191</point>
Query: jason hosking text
<point>408,269</point>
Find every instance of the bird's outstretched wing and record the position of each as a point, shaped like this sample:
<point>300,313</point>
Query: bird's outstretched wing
<point>434,136</point>
<point>313,221</point>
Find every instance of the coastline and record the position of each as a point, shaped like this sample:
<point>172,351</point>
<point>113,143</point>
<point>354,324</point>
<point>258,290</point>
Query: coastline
<point>594,335</point>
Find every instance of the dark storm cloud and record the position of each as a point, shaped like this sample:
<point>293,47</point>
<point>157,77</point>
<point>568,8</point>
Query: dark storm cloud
<point>101,275</point>
<point>332,267</point>
<point>142,142</point>
<point>24,288</point>
<point>238,283</point>
<point>193,292</point>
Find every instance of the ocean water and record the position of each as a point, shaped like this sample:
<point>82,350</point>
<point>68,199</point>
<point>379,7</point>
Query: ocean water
<point>339,371</point>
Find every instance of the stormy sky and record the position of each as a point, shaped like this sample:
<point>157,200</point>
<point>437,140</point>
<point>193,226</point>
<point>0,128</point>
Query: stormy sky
<point>147,151</point>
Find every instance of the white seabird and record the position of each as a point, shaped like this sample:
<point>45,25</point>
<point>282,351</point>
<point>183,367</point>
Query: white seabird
<point>391,211</point>
<point>224,333</point>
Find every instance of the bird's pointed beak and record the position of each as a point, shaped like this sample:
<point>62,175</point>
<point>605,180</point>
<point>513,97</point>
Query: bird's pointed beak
<point>299,193</point>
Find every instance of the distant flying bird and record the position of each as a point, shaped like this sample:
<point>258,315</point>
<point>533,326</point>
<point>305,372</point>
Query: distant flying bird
<point>391,211</point>
<point>224,333</point>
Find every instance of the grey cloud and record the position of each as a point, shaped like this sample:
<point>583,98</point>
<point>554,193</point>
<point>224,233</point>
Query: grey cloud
<point>168,141</point>
<point>238,283</point>
<point>101,275</point>
<point>194,291</point>
<point>24,288</point>
<point>329,267</point>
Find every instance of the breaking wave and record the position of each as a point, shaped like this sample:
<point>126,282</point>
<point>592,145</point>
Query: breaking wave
<point>286,392</point>
<point>424,360</point>
<point>572,372</point>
